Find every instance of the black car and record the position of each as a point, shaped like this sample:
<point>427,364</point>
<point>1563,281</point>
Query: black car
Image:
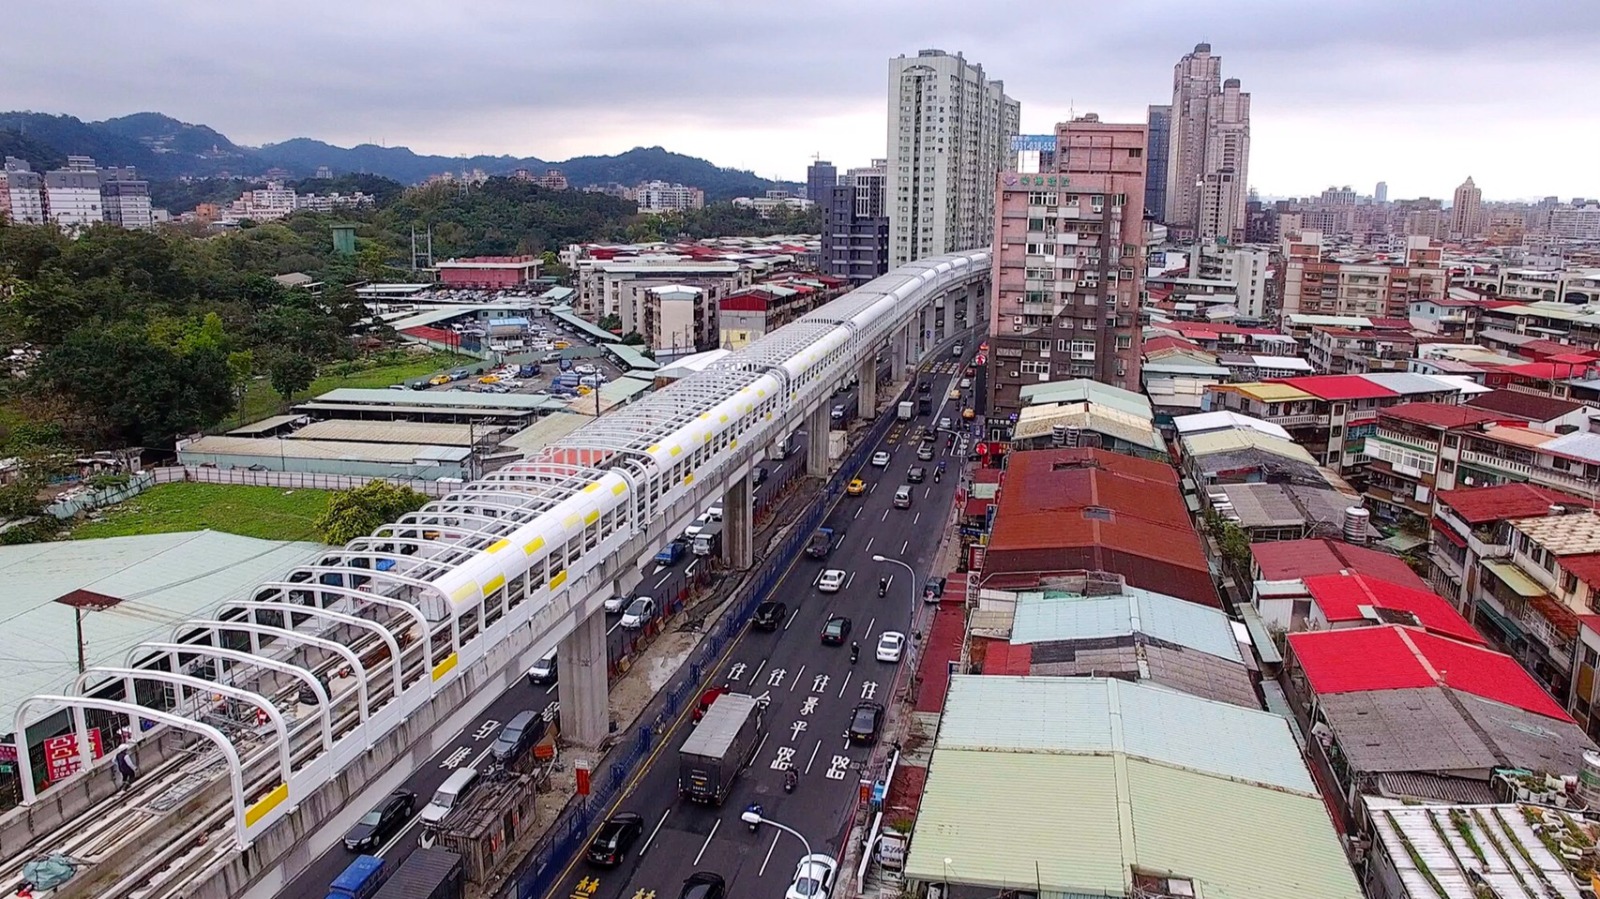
<point>769,615</point>
<point>915,474</point>
<point>615,838</point>
<point>924,387</point>
<point>864,722</point>
<point>758,476</point>
<point>384,821</point>
<point>836,631</point>
<point>704,885</point>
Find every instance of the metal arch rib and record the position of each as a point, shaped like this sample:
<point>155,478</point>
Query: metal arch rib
<point>244,658</point>
<point>129,675</point>
<point>405,608</point>
<point>216,627</point>
<point>383,632</point>
<point>134,712</point>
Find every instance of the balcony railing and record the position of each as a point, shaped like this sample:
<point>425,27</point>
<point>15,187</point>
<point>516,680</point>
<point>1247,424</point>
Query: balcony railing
<point>1295,421</point>
<point>1544,476</point>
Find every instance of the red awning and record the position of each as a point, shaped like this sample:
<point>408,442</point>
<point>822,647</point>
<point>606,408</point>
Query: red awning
<point>1449,533</point>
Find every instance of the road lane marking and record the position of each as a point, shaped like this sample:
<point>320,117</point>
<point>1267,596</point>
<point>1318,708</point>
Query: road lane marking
<point>614,627</point>
<point>797,676</point>
<point>857,515</point>
<point>415,820</point>
<point>653,833</point>
<point>790,623</point>
<point>885,515</point>
<point>869,543</point>
<point>849,580</point>
<point>845,684</point>
<point>703,846</point>
<point>904,546</point>
<point>550,689</point>
<point>663,580</point>
<point>758,671</point>
<point>758,748</point>
<point>915,518</point>
<point>763,871</point>
<point>813,759</point>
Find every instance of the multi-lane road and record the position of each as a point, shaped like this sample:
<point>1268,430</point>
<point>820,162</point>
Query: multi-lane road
<point>812,691</point>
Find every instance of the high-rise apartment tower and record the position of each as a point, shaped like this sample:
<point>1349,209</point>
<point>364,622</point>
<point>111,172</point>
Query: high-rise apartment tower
<point>1466,210</point>
<point>950,131</point>
<point>1208,160</point>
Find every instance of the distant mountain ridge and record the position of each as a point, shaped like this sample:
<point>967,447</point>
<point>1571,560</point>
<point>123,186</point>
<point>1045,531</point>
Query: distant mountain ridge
<point>163,148</point>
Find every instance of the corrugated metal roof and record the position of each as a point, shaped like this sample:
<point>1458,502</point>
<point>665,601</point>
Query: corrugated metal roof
<point>273,447</point>
<point>415,432</point>
<point>1038,420</point>
<point>1268,392</point>
<point>1244,438</point>
<point>1202,422</point>
<point>632,357</point>
<point>162,579</point>
<point>545,431</point>
<point>1578,445</point>
<point>362,396</point>
<point>271,423</point>
<point>1100,715</point>
<point>1084,390</point>
<point>1407,383</point>
<point>984,811</point>
<point>1071,617</point>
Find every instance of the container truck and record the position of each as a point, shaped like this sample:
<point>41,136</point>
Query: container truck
<point>709,541</point>
<point>426,874</point>
<point>722,745</point>
<point>906,410</point>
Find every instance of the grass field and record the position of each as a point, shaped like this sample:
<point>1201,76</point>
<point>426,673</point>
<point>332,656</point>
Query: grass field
<point>260,402</point>
<point>270,513</point>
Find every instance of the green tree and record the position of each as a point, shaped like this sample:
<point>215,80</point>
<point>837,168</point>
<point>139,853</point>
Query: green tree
<point>291,373</point>
<point>633,338</point>
<point>359,511</point>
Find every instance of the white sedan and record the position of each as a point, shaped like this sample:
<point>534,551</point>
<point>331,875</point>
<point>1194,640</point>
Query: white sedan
<point>639,613</point>
<point>831,580</point>
<point>880,459</point>
<point>813,877</point>
<point>890,646</point>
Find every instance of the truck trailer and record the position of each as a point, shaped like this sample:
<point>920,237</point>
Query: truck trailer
<point>906,410</point>
<point>426,874</point>
<point>723,744</point>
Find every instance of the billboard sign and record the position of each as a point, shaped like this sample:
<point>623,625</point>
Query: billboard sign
<point>61,754</point>
<point>1033,143</point>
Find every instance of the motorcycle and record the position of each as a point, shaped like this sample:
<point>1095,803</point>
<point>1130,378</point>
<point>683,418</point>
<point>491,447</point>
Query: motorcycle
<point>790,780</point>
<point>937,473</point>
<point>754,807</point>
<point>855,652</point>
<point>883,586</point>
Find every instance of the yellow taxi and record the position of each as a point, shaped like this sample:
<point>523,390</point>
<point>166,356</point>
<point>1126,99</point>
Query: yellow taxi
<point>955,393</point>
<point>968,414</point>
<point>489,379</point>
<point>561,345</point>
<point>436,380</point>
<point>856,487</point>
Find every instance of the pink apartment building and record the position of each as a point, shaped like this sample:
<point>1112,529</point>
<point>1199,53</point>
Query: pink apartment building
<point>1069,265</point>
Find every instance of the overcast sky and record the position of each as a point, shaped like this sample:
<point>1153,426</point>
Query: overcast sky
<point>1420,93</point>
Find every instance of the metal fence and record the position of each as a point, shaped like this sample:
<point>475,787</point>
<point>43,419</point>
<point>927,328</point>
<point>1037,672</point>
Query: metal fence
<point>540,871</point>
<point>292,480</point>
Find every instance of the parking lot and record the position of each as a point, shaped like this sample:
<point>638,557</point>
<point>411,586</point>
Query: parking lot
<point>548,346</point>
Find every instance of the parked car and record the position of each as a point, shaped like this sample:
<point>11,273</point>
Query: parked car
<point>639,612</point>
<point>813,877</point>
<point>769,615</point>
<point>616,603</point>
<point>836,631</point>
<point>386,819</point>
<point>891,645</point>
<point>864,722</point>
<point>615,838</point>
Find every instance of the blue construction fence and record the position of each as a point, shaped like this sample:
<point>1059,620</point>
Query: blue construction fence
<point>540,872</point>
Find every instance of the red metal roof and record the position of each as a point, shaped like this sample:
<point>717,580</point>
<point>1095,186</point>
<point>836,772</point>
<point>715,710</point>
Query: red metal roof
<point>1341,596</point>
<point>1168,343</point>
<point>1338,387</point>
<point>1548,371</point>
<point>1438,415</point>
<point>943,646</point>
<point>1480,505</point>
<point>1585,567</point>
<point>1287,560</point>
<point>1526,406</point>
<point>1086,509</point>
<point>1397,658</point>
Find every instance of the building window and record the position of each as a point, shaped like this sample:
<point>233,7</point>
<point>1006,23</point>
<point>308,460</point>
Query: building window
<point>1041,198</point>
<point>1452,441</point>
<point>1135,152</point>
<point>1569,583</point>
<point>1034,367</point>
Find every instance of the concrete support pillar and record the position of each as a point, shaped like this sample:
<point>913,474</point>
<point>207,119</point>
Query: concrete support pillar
<point>585,710</point>
<point>900,351</point>
<point>738,526</point>
<point>817,453</point>
<point>867,389</point>
<point>950,302</point>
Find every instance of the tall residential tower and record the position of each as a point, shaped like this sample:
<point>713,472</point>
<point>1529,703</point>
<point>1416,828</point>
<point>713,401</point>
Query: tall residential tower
<point>1069,265</point>
<point>1155,169</point>
<point>1466,211</point>
<point>950,131</point>
<point>1208,160</point>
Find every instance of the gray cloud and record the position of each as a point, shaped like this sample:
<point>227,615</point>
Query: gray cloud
<point>1420,93</point>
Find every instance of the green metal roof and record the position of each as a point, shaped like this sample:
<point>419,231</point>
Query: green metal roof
<point>162,579</point>
<point>1138,777</point>
<point>1083,389</point>
<point>632,357</point>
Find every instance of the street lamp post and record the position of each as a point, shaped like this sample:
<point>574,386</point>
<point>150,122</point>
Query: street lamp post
<point>911,580</point>
<point>752,816</point>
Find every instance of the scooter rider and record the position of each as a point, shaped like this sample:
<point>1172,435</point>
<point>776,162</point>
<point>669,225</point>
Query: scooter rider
<point>790,780</point>
<point>883,586</point>
<point>855,652</point>
<point>756,808</point>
